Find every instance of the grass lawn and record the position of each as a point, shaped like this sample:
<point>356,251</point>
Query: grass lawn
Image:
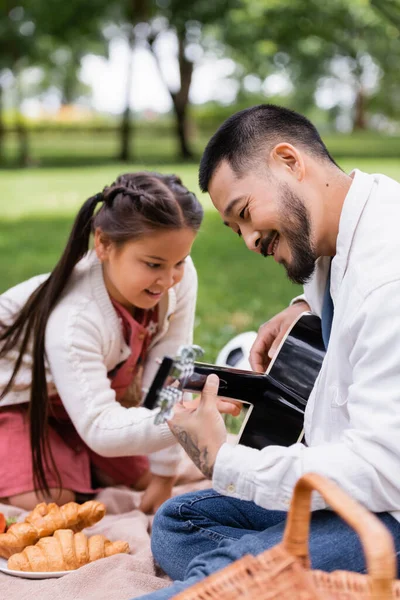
<point>238,290</point>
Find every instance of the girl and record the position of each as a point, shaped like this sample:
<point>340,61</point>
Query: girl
<point>78,345</point>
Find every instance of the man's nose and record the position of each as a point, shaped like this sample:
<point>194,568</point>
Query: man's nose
<point>252,239</point>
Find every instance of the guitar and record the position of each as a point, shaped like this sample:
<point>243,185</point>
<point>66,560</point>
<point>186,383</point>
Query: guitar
<point>276,399</point>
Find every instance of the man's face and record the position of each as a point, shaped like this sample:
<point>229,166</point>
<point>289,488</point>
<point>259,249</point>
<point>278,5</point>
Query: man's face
<point>272,219</point>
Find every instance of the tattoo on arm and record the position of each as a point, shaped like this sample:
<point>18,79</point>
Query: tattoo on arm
<point>198,455</point>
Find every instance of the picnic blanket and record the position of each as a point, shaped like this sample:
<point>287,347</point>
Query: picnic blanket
<point>118,577</point>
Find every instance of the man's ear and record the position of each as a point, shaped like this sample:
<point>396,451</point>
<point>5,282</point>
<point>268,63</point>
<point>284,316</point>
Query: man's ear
<point>102,244</point>
<point>290,158</point>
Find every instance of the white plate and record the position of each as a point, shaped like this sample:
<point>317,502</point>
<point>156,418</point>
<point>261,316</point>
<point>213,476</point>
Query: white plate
<point>30,575</point>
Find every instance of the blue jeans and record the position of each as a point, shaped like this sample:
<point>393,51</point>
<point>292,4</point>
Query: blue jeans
<point>199,533</point>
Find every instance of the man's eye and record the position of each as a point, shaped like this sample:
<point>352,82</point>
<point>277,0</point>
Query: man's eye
<point>242,212</point>
<point>153,265</point>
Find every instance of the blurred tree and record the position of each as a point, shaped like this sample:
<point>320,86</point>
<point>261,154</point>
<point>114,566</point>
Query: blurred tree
<point>142,22</point>
<point>63,40</point>
<point>99,22</point>
<point>387,101</point>
<point>316,46</point>
<point>390,9</point>
<point>16,48</point>
<point>191,23</point>
<point>60,70</point>
<point>129,19</point>
<point>38,32</point>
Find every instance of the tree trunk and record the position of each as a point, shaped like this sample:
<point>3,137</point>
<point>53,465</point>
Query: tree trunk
<point>180,99</point>
<point>23,147</point>
<point>70,81</point>
<point>360,121</point>
<point>126,121</point>
<point>22,132</point>
<point>181,128</point>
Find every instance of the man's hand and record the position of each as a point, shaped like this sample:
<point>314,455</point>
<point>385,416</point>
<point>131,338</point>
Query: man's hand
<point>270,335</point>
<point>199,427</point>
<point>158,491</point>
<point>226,406</point>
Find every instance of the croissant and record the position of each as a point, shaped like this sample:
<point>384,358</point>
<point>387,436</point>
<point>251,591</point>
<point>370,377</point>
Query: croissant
<point>45,519</point>
<point>65,551</point>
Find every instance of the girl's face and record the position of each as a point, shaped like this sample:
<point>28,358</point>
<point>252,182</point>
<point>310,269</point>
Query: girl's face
<point>138,273</point>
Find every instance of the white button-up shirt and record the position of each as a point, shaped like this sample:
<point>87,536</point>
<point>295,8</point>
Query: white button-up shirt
<point>352,419</point>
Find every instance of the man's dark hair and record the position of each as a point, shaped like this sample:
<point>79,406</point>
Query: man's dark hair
<point>243,137</point>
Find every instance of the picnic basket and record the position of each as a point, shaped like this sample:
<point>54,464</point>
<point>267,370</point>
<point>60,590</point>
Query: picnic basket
<point>283,572</point>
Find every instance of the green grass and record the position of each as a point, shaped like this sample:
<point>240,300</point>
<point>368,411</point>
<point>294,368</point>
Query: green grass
<point>152,144</point>
<point>55,191</point>
<point>55,149</point>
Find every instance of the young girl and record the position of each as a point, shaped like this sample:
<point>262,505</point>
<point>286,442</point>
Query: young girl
<point>78,346</point>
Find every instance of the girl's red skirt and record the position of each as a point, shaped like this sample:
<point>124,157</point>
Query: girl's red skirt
<point>74,459</point>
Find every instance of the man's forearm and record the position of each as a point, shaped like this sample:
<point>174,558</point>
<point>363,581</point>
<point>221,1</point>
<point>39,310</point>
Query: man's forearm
<point>199,454</point>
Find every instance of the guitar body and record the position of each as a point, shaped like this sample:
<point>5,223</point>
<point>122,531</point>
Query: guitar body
<point>277,399</point>
<point>279,418</point>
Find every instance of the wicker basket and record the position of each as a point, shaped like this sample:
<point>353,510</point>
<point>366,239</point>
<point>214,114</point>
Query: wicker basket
<point>283,572</point>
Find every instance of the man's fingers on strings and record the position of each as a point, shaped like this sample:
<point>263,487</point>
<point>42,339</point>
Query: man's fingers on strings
<point>259,350</point>
<point>224,405</point>
<point>228,406</point>
<point>274,347</point>
<point>258,364</point>
<point>259,358</point>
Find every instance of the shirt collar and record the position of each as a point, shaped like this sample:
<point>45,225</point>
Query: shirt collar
<point>353,206</point>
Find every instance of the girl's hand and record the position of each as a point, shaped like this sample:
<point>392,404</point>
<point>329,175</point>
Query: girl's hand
<point>157,492</point>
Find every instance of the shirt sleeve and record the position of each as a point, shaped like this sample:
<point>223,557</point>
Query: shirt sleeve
<point>301,298</point>
<point>11,303</point>
<point>365,461</point>
<point>75,351</point>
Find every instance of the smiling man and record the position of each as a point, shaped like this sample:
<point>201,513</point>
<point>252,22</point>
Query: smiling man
<point>274,183</point>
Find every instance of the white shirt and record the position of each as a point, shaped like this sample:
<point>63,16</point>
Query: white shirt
<point>84,342</point>
<point>352,419</point>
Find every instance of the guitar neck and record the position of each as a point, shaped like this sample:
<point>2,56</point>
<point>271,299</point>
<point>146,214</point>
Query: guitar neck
<point>278,398</point>
<point>242,385</point>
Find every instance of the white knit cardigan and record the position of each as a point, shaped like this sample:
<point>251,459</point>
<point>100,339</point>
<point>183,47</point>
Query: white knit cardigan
<point>84,342</point>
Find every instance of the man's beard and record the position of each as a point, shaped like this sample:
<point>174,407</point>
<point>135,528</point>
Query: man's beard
<point>296,229</point>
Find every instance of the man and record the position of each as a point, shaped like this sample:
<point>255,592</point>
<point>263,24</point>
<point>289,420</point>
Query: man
<point>275,184</point>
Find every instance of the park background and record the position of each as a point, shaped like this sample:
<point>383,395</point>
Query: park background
<point>90,89</point>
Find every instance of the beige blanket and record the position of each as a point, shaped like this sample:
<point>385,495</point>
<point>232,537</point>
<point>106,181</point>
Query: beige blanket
<point>118,577</point>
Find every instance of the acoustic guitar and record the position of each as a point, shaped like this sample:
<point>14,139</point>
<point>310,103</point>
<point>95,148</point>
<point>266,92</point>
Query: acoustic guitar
<point>276,399</point>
